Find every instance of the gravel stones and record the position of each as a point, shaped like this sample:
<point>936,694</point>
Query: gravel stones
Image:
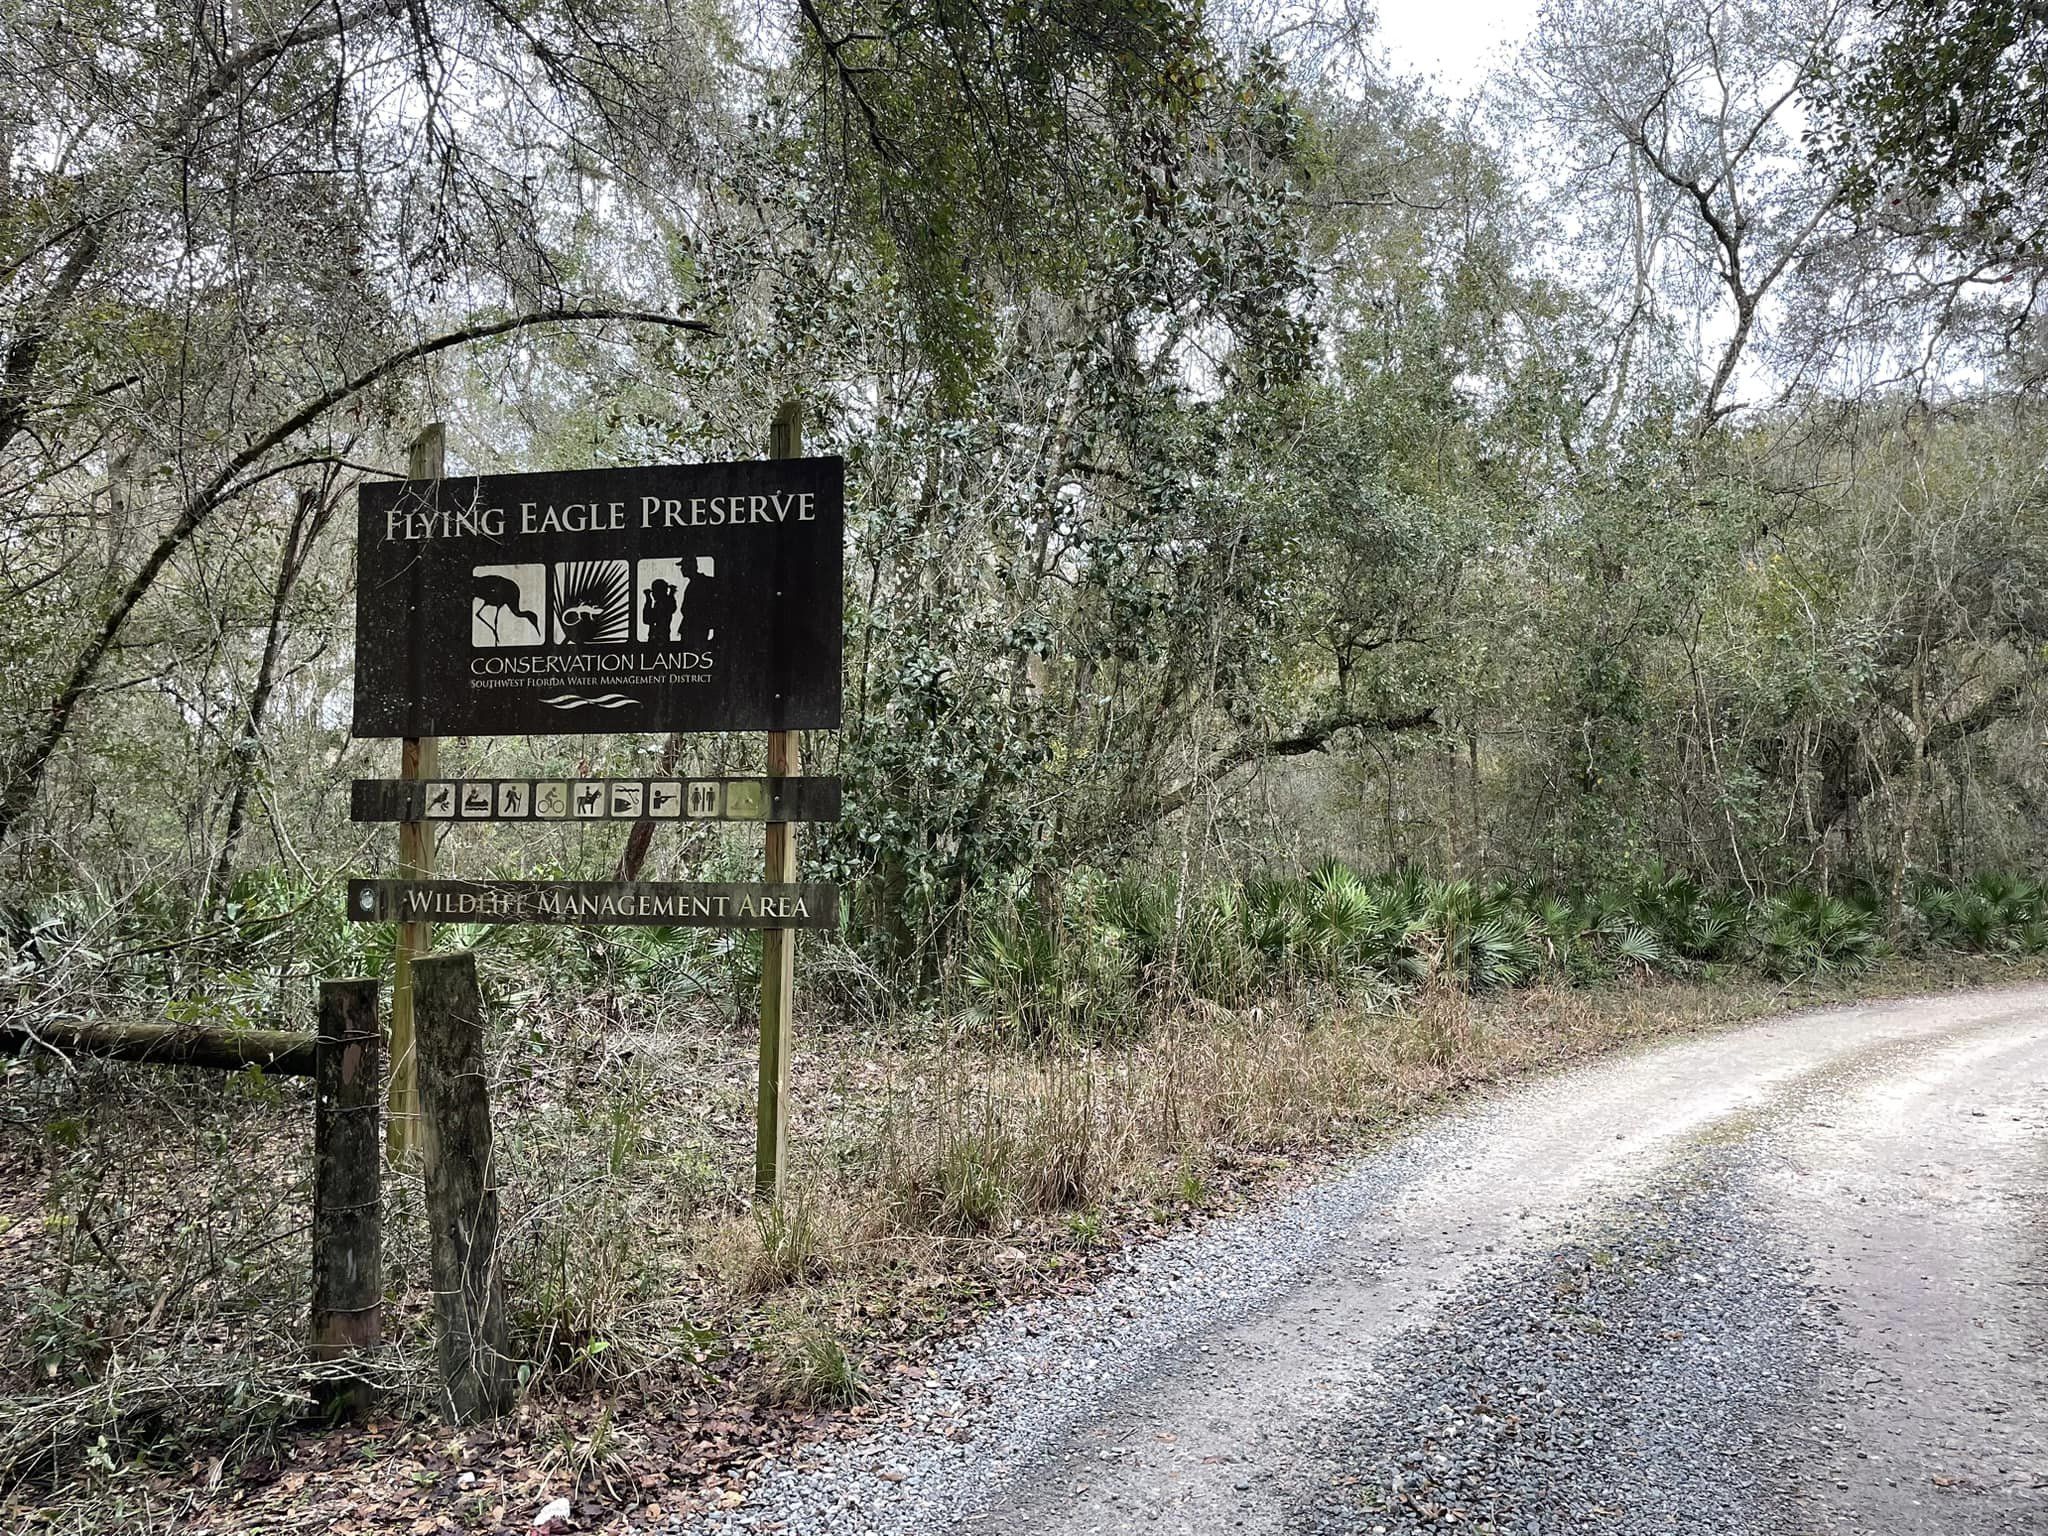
<point>1009,1395</point>
<point>1648,1375</point>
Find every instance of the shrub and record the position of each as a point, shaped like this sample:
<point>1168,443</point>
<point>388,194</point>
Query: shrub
<point>1804,933</point>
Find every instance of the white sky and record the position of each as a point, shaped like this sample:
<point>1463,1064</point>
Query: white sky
<point>1456,41</point>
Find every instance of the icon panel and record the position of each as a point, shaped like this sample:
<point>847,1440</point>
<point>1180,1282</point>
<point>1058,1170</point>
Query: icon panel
<point>746,800</point>
<point>505,605</point>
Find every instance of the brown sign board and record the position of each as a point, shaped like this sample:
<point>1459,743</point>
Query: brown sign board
<point>572,800</point>
<point>699,597</point>
<point>596,903</point>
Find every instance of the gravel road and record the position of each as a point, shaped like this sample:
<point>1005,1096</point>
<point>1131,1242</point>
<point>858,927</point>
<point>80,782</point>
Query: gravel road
<point>1790,1278</point>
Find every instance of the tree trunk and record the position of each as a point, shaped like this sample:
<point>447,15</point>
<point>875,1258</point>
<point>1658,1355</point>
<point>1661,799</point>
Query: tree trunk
<point>309,516</point>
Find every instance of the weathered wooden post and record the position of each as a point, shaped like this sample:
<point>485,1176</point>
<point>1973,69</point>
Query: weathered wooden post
<point>461,1192</point>
<point>419,757</point>
<point>348,1263</point>
<point>778,945</point>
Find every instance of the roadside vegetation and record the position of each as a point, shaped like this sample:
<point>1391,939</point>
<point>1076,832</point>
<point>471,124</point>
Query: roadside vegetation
<point>1350,594</point>
<point>1137,1058</point>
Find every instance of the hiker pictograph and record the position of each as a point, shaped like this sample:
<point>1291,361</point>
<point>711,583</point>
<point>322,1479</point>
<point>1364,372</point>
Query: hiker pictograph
<point>504,605</point>
<point>658,611</point>
<point>664,588</point>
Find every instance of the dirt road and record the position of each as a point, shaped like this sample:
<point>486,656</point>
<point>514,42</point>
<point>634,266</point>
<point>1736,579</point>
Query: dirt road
<point>1793,1277</point>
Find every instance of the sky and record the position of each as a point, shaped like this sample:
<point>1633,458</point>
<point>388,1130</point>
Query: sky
<point>1456,41</point>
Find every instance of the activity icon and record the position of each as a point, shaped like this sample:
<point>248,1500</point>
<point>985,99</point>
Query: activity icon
<point>665,799</point>
<point>589,801</point>
<point>591,601</point>
<point>626,799</point>
<point>440,800</point>
<point>704,798</point>
<point>477,800</point>
<point>551,799</point>
<point>662,586</point>
<point>746,800</point>
<point>512,798</point>
<point>505,604</point>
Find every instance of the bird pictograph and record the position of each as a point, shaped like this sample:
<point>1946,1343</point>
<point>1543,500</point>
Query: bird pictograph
<point>494,597</point>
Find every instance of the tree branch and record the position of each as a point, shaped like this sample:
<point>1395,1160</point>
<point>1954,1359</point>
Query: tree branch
<point>30,758</point>
<point>1310,736</point>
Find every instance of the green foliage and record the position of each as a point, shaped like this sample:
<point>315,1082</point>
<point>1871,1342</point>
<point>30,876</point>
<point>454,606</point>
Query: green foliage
<point>1230,943</point>
<point>1993,914</point>
<point>1942,122</point>
<point>1805,933</point>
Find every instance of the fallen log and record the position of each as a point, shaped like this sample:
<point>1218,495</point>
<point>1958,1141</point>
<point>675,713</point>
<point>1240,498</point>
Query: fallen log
<point>277,1051</point>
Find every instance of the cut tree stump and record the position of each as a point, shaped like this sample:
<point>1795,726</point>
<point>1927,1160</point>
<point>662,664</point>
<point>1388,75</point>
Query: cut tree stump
<point>461,1197</point>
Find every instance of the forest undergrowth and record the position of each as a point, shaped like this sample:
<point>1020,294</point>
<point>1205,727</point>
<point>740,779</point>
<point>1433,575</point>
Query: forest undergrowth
<point>1136,1058</point>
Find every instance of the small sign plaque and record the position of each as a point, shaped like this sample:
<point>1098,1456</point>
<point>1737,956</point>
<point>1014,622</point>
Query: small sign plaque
<point>670,598</point>
<point>741,799</point>
<point>599,903</point>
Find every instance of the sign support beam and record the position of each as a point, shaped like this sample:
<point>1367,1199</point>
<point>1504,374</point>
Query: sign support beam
<point>778,945</point>
<point>419,758</point>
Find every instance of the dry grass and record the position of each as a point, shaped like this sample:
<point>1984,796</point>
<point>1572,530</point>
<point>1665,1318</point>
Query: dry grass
<point>934,1177</point>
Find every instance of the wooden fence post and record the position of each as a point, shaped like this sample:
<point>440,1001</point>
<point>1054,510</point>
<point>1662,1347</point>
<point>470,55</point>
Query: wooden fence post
<point>348,1255</point>
<point>461,1192</point>
<point>778,945</point>
<point>419,757</point>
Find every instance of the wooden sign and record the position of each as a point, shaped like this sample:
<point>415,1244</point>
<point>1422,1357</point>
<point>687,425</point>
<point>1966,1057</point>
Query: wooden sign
<point>671,598</point>
<point>599,903</point>
<point>736,799</point>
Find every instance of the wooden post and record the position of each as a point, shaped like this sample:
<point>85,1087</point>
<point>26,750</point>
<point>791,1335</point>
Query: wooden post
<point>461,1195</point>
<point>778,945</point>
<point>419,757</point>
<point>348,1253</point>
